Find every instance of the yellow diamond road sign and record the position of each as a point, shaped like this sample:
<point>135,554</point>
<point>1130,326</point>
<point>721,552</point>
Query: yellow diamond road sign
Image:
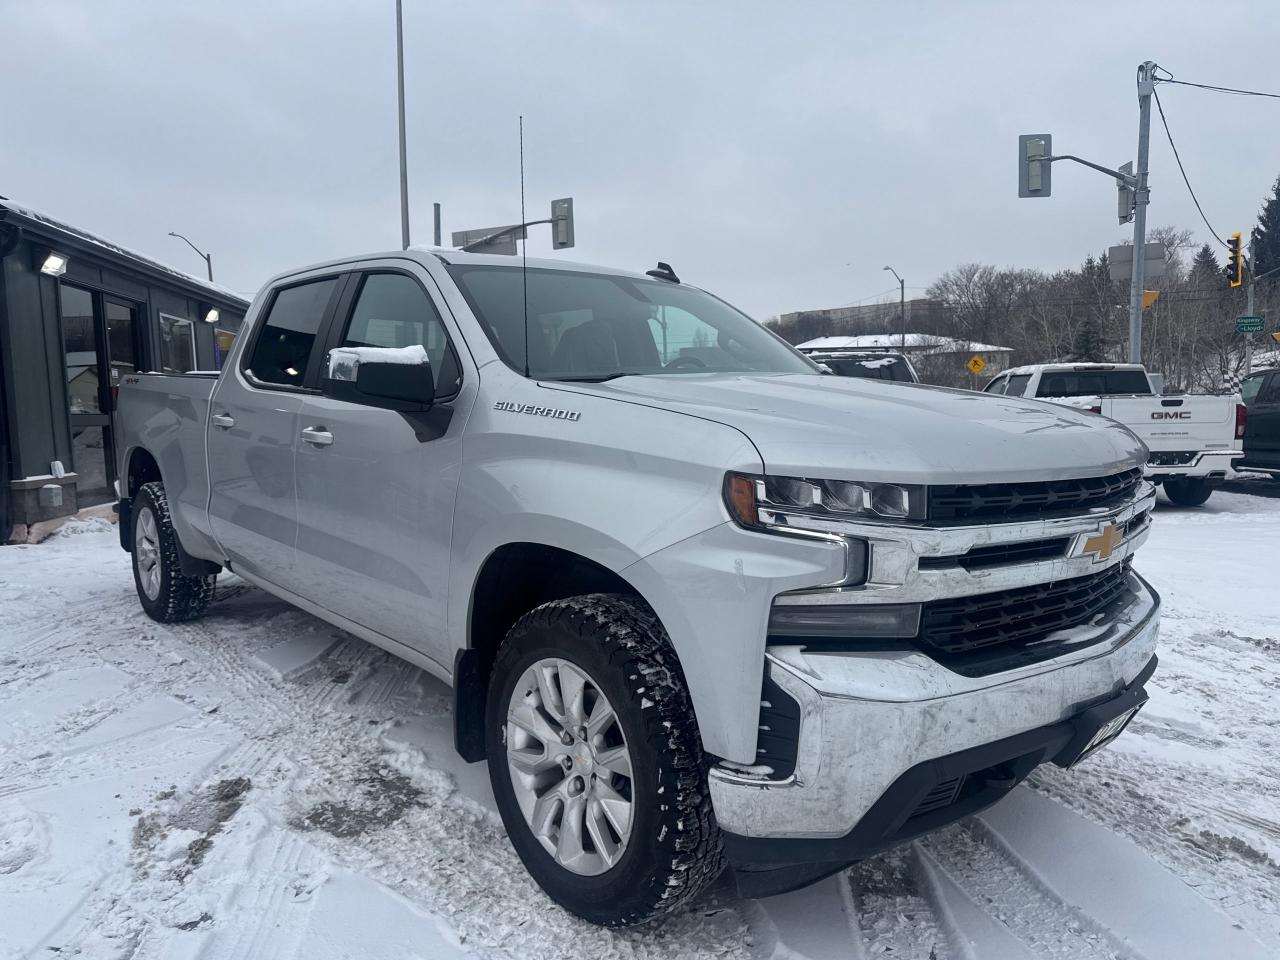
<point>976,364</point>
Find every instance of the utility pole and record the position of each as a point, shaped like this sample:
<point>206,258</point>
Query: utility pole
<point>1248,310</point>
<point>435,209</point>
<point>404,173</point>
<point>1141,197</point>
<point>902,305</point>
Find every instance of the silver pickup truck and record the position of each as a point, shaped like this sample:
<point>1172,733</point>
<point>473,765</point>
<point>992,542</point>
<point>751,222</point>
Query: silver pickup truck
<point>698,603</point>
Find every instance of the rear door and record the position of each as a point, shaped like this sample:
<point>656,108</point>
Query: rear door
<point>376,488</point>
<point>1262,426</point>
<point>253,429</point>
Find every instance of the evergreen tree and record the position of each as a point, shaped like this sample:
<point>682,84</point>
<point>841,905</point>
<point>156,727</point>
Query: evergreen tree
<point>1090,342</point>
<point>1266,235</point>
<point>1206,272</point>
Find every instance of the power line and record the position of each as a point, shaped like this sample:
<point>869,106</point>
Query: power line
<point>1182,169</point>
<point>1216,89</point>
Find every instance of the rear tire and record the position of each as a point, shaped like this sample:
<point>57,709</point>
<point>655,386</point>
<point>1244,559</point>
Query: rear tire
<point>166,594</point>
<point>611,655</point>
<point>1188,492</point>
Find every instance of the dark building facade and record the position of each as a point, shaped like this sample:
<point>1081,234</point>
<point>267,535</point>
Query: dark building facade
<point>77,313</point>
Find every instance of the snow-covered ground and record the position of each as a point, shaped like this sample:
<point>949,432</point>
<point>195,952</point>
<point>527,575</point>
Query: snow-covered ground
<point>261,785</point>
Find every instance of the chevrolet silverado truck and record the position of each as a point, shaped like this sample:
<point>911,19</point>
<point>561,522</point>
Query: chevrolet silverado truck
<point>1192,440</point>
<point>699,604</point>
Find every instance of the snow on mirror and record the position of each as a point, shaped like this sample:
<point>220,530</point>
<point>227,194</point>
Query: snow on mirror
<point>344,362</point>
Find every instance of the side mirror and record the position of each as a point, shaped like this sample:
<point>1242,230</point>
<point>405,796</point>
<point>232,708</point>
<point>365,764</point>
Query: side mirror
<point>392,378</point>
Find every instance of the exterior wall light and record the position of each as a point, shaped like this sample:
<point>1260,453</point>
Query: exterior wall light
<point>55,264</point>
<point>211,316</point>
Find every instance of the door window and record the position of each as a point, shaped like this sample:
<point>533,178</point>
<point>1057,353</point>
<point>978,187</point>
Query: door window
<point>122,348</point>
<point>284,344</point>
<point>1271,393</point>
<point>997,385</point>
<point>1250,387</point>
<point>80,350</point>
<point>394,311</point>
<point>1017,385</point>
<point>177,344</point>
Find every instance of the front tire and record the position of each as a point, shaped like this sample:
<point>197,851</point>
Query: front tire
<point>1188,492</point>
<point>166,594</point>
<point>596,762</point>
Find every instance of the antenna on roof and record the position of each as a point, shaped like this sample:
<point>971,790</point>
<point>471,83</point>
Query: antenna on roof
<point>663,272</point>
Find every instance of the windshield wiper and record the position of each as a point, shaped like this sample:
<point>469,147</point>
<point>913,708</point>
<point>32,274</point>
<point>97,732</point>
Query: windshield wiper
<point>596,378</point>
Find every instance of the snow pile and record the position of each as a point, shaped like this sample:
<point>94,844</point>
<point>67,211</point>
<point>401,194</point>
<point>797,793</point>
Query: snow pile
<point>77,527</point>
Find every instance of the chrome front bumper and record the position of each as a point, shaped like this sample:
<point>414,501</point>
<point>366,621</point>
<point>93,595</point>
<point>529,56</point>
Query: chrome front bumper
<point>867,718</point>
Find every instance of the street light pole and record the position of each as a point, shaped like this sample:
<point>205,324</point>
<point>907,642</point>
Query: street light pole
<point>404,173</point>
<point>208,257</point>
<point>902,304</point>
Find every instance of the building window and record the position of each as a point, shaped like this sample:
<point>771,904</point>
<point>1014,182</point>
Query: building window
<point>177,344</point>
<point>223,340</point>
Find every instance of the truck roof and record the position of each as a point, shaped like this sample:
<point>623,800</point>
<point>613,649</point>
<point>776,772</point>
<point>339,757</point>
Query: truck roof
<point>1078,367</point>
<point>448,256</point>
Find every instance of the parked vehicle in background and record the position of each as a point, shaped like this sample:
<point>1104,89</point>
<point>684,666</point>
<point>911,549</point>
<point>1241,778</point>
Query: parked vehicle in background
<point>696,601</point>
<point>866,364</point>
<point>1261,395</point>
<point>1192,440</point>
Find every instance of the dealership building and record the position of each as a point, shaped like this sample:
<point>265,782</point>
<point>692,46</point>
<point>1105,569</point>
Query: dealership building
<point>77,314</point>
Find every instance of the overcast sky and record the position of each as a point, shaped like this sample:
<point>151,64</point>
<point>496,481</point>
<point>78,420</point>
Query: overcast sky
<point>778,154</point>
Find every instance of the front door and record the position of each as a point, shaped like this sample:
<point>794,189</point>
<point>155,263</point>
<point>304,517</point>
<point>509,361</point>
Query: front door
<point>376,488</point>
<point>100,345</point>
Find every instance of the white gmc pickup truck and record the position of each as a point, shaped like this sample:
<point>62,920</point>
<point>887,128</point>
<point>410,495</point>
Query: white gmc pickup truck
<point>698,602</point>
<point>1192,440</point>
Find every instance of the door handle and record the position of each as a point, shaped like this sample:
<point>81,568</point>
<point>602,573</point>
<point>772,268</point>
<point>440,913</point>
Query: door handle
<point>222,420</point>
<point>317,436</point>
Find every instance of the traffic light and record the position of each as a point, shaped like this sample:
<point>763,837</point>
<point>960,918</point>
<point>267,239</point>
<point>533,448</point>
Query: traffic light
<point>1235,262</point>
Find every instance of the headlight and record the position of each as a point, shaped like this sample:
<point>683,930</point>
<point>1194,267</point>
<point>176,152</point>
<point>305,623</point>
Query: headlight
<point>775,501</point>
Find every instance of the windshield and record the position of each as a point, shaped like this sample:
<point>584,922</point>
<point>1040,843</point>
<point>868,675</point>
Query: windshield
<point>591,326</point>
<point>872,368</point>
<point>1092,383</point>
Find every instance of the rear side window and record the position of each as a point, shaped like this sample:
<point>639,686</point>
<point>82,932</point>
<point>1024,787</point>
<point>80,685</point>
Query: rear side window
<point>872,368</point>
<point>392,310</point>
<point>288,336</point>
<point>1017,385</point>
<point>1272,392</point>
<point>1091,383</point>
<point>1250,387</point>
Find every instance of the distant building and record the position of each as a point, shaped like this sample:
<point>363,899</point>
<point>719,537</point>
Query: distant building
<point>936,359</point>
<point>921,312</point>
<point>77,313</point>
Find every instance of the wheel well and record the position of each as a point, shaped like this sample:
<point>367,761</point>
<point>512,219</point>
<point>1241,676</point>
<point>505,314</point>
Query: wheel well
<point>516,578</point>
<point>142,469</point>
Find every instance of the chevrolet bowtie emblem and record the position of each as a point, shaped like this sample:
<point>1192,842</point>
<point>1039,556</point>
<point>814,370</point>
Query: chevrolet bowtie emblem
<point>1104,543</point>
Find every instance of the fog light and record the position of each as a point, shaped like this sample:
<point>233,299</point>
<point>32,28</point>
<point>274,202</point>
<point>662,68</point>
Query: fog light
<point>850,621</point>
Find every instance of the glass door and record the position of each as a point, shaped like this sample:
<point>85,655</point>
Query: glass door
<point>100,345</point>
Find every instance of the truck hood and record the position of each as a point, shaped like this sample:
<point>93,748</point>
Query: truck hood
<point>853,429</point>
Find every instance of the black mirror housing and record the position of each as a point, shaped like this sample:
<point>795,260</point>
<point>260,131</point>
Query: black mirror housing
<point>391,381</point>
